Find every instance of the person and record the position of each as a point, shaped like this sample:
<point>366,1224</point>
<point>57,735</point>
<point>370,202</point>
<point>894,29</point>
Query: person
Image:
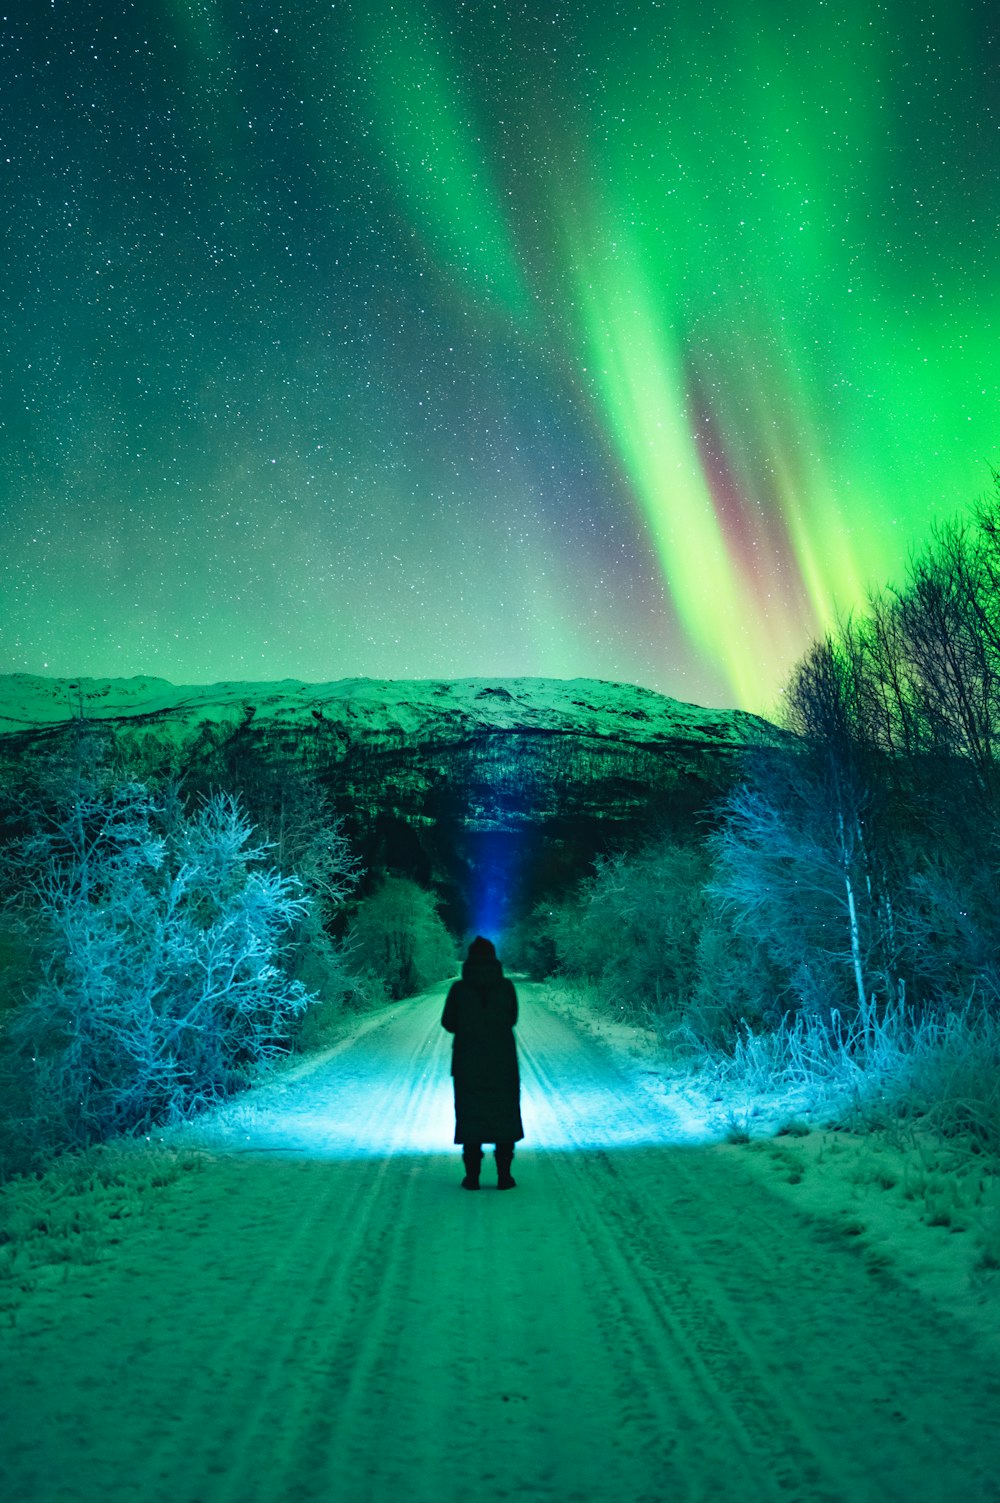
<point>481,1011</point>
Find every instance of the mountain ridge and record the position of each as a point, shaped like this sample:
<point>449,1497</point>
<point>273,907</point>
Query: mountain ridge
<point>508,787</point>
<point>397,707</point>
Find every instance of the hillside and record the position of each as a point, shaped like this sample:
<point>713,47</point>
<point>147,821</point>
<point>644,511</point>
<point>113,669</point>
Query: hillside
<point>502,786</point>
<point>409,710</point>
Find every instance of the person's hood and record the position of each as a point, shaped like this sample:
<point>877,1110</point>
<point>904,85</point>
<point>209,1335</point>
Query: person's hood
<point>481,972</point>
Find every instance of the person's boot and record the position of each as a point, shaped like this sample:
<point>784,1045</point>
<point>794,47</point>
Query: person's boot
<point>472,1158</point>
<point>504,1155</point>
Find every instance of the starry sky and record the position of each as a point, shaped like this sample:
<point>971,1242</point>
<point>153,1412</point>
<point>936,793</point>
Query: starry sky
<point>403,338</point>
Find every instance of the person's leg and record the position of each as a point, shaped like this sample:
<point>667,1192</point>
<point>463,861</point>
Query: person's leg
<point>504,1155</point>
<point>472,1158</point>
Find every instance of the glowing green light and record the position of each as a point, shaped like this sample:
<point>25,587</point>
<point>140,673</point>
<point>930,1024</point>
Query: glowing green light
<point>431,148</point>
<point>635,370</point>
<point>785,370</point>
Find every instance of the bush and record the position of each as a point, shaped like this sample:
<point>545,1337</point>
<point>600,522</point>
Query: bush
<point>736,983</point>
<point>880,1066</point>
<point>398,935</point>
<point>356,991</point>
<point>528,943</point>
<point>160,942</point>
<point>632,929</point>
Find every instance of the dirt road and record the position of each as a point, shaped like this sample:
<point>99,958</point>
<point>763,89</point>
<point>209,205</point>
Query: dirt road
<point>325,1315</point>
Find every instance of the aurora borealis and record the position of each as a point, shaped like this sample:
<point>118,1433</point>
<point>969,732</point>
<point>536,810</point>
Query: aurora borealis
<point>622,340</point>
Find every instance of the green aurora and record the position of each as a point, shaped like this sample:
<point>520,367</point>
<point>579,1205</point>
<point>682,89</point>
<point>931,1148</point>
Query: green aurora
<point>635,341</point>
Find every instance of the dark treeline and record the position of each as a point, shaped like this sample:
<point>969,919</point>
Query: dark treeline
<point>840,915</point>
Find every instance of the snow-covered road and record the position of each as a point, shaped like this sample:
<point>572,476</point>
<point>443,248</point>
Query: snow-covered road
<point>325,1315</point>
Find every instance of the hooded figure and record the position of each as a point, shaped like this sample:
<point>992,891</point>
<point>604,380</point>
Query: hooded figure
<point>481,1011</point>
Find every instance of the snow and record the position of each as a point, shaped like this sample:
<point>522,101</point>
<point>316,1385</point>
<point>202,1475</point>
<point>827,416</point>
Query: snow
<point>319,1312</point>
<point>396,707</point>
<point>300,1114</point>
<point>906,1199</point>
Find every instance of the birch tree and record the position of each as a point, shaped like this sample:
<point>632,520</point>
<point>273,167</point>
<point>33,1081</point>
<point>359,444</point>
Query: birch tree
<point>799,861</point>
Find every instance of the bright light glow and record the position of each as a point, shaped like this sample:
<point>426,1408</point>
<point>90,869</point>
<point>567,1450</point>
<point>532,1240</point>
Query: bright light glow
<point>388,1091</point>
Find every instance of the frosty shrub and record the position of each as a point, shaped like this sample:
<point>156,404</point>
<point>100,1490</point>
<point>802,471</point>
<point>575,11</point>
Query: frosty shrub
<point>70,1211</point>
<point>631,930</point>
<point>878,1066</point>
<point>398,935</point>
<point>528,945</point>
<point>736,983</point>
<point>293,813</point>
<point>309,843</point>
<point>950,923</point>
<point>952,1076</point>
<point>160,938</point>
<point>324,1022</point>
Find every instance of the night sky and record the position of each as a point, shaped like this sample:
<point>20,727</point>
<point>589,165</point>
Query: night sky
<point>617,339</point>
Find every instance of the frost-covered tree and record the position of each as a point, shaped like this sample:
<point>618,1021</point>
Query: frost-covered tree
<point>630,930</point>
<point>398,934</point>
<point>800,857</point>
<point>159,939</point>
<point>789,870</point>
<point>307,840</point>
<point>865,854</point>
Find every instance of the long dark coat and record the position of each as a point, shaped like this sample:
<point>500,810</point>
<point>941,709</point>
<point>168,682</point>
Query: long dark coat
<point>481,1011</point>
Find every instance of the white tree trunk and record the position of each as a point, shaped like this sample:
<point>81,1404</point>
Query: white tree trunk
<point>852,913</point>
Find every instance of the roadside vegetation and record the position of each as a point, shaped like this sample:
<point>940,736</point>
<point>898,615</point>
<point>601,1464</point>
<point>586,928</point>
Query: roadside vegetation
<point>161,948</point>
<point>833,931</point>
<point>829,933</point>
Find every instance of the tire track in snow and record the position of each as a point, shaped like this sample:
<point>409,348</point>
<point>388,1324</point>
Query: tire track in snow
<point>361,1280</point>
<point>252,1339</point>
<point>375,1277</point>
<point>672,1369</point>
<point>704,1321</point>
<point>639,1320</point>
<point>308,1240</point>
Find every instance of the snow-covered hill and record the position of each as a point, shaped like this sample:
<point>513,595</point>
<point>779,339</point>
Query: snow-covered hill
<point>395,709</point>
<point>485,787</point>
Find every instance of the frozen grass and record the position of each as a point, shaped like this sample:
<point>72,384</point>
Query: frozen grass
<point>879,1069</point>
<point>904,1197</point>
<point>922,1090</point>
<point>78,1209</point>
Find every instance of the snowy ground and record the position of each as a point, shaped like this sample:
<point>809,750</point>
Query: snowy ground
<point>320,1313</point>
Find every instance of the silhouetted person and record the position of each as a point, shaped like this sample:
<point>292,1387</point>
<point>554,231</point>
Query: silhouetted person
<point>481,1011</point>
